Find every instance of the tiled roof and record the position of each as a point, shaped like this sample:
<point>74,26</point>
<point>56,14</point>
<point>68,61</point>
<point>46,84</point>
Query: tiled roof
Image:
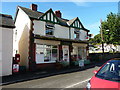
<point>31,13</point>
<point>36,15</point>
<point>63,21</point>
<point>6,21</point>
<point>71,21</point>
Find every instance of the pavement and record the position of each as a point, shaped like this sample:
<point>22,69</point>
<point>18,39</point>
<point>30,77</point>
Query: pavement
<point>20,77</point>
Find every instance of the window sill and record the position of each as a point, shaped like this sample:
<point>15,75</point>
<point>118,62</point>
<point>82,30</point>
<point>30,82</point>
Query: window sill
<point>46,62</point>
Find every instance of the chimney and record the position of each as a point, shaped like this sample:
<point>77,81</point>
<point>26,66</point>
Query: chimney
<point>58,13</point>
<point>33,7</point>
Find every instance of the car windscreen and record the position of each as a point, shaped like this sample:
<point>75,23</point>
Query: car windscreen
<point>110,71</point>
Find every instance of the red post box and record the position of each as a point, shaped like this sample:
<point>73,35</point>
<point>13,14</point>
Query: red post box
<point>17,57</point>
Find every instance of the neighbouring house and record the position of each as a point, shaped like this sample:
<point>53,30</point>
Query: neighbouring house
<point>44,39</point>
<point>107,48</point>
<point>6,44</point>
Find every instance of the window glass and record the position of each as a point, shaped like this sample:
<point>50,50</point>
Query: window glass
<point>110,71</point>
<point>54,46</point>
<point>65,52</point>
<point>54,54</point>
<point>39,53</point>
<point>47,52</point>
<point>76,34</point>
<point>74,54</point>
<point>82,53</point>
<point>39,49</point>
<point>78,53</point>
<point>49,29</point>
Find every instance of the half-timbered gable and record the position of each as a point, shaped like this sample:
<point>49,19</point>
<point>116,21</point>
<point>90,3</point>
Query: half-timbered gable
<point>75,23</point>
<point>76,27</point>
<point>49,16</point>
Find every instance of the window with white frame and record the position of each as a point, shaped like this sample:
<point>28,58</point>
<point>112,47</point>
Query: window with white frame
<point>82,52</point>
<point>49,29</point>
<point>46,53</point>
<point>76,33</point>
<point>78,53</point>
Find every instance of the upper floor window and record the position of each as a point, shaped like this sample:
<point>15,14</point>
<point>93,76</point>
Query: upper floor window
<point>76,33</point>
<point>49,29</point>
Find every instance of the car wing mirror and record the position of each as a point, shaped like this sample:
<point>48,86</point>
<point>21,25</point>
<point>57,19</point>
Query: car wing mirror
<point>95,71</point>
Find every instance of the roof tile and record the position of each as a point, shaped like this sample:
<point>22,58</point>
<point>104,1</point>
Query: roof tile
<point>7,21</point>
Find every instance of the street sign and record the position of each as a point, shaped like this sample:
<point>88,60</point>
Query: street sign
<point>81,63</point>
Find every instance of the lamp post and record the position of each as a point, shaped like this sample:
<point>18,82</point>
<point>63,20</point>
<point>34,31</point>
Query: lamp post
<point>101,33</point>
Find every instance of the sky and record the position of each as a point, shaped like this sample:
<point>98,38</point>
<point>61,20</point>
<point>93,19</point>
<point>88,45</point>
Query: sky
<point>89,13</point>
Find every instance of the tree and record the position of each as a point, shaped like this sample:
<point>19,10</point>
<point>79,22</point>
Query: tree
<point>96,39</point>
<point>111,29</point>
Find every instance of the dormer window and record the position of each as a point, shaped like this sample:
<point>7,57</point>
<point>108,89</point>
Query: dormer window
<point>76,33</point>
<point>49,29</point>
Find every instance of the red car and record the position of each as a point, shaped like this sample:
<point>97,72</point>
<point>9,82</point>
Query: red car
<point>108,76</point>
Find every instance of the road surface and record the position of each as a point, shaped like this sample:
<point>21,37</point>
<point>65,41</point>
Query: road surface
<point>69,80</point>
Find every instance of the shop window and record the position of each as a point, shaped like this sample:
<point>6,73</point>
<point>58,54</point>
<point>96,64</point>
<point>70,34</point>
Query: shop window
<point>79,53</point>
<point>46,53</point>
<point>54,54</point>
<point>76,34</point>
<point>76,54</point>
<point>49,29</point>
<point>82,52</point>
<point>39,53</point>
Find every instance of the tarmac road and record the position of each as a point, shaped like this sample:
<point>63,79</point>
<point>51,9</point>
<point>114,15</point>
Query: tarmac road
<point>69,80</point>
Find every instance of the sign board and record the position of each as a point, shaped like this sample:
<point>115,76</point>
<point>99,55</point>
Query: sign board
<point>15,67</point>
<point>81,63</point>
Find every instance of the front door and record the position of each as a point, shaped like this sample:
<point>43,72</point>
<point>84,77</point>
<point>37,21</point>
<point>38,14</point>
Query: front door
<point>65,50</point>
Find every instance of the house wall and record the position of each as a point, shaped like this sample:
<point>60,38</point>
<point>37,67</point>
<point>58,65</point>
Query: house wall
<point>83,35</point>
<point>61,31</point>
<point>6,51</point>
<point>39,27</point>
<point>72,33</point>
<point>21,37</point>
<point>79,45</point>
<point>1,52</point>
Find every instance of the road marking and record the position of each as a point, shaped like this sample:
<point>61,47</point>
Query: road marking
<point>77,83</point>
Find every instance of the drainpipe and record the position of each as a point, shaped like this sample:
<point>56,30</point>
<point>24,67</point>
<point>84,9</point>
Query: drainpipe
<point>32,64</point>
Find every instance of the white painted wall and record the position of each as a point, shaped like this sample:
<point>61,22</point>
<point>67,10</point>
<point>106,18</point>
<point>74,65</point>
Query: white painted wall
<point>72,33</point>
<point>61,31</point>
<point>22,38</point>
<point>83,35</point>
<point>6,51</point>
<point>39,27</point>
<point>1,52</point>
